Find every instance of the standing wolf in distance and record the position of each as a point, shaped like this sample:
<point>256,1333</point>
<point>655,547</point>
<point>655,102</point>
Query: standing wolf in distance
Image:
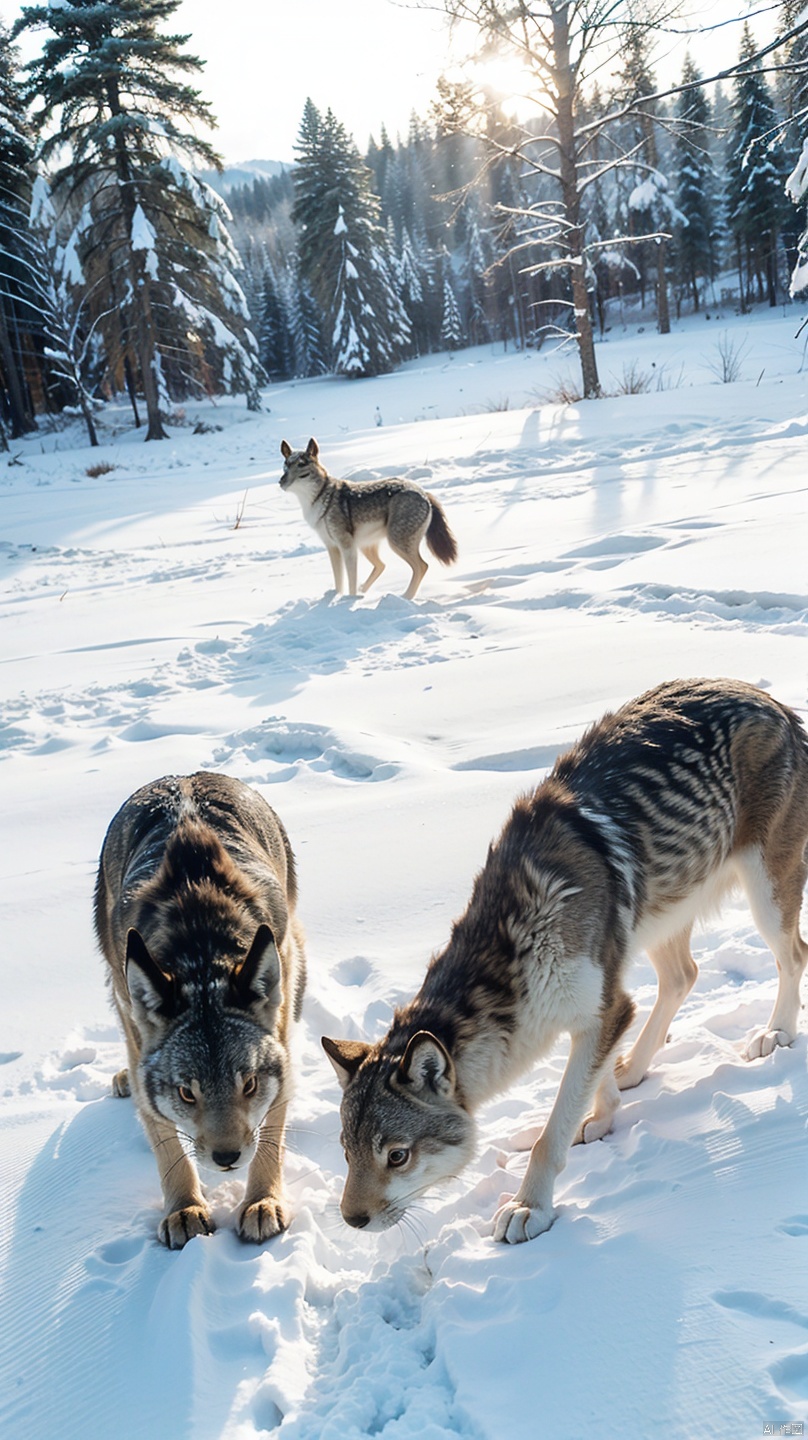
<point>352,516</point>
<point>660,809</point>
<point>195,914</point>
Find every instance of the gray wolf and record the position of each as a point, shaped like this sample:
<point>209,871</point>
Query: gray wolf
<point>352,516</point>
<point>647,822</point>
<point>195,914</point>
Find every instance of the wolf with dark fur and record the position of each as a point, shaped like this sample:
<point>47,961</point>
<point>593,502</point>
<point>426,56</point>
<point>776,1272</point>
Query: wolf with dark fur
<point>352,516</point>
<point>645,824</point>
<point>195,914</point>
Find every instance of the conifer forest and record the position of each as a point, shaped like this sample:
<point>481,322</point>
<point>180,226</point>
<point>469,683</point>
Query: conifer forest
<point>130,270</point>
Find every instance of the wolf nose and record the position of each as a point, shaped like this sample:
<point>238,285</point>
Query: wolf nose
<point>225,1159</point>
<point>358,1221</point>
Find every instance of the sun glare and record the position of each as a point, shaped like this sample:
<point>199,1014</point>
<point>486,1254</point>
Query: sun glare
<point>508,79</point>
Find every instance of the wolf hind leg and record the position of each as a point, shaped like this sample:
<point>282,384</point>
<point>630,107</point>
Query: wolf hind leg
<point>531,1211</point>
<point>409,551</point>
<point>774,884</point>
<point>371,553</point>
<point>676,972</point>
<point>404,535</point>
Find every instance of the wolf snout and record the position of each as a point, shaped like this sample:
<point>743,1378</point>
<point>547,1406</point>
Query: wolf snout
<point>225,1159</point>
<point>357,1221</point>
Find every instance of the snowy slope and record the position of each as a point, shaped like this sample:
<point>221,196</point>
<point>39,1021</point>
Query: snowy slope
<point>171,614</point>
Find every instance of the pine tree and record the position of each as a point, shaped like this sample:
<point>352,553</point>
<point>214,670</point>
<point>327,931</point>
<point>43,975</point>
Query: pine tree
<point>796,141</point>
<point>475,259</point>
<point>797,190</point>
<point>304,321</point>
<point>342,250</point>
<point>451,330</point>
<point>276,349</point>
<point>649,204</point>
<point>756,177</point>
<point>70,339</point>
<point>152,241</point>
<point>696,198</point>
<point>22,281</point>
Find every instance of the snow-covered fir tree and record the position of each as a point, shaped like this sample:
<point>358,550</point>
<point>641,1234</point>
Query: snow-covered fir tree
<point>151,240</point>
<point>71,340</point>
<point>22,281</point>
<point>795,105</point>
<point>275,338</point>
<point>756,175</point>
<point>342,250</point>
<point>451,330</point>
<point>696,197</point>
<point>650,207</point>
<point>797,190</point>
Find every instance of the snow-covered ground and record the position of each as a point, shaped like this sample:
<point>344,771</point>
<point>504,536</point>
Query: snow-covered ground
<point>171,614</point>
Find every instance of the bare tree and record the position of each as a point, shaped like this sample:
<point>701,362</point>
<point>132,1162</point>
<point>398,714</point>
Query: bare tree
<point>565,48</point>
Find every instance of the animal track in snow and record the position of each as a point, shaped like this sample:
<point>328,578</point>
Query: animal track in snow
<point>291,747</point>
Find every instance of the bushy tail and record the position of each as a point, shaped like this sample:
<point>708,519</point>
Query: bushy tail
<point>439,537</point>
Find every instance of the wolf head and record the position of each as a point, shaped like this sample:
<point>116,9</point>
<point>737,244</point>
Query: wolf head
<point>210,1062</point>
<point>300,464</point>
<point>404,1128</point>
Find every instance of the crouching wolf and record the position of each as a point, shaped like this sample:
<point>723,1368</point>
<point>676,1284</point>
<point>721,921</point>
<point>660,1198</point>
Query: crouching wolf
<point>195,914</point>
<point>350,516</point>
<point>645,823</point>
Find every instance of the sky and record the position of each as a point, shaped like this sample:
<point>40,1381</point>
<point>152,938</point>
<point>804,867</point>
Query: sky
<point>372,62</point>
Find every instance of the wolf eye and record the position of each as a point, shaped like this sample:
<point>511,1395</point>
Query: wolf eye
<point>398,1157</point>
<point>250,1085</point>
<point>187,1096</point>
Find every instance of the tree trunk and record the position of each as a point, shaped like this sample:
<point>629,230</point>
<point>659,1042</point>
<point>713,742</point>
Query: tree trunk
<point>22,421</point>
<point>771,270</point>
<point>741,294</point>
<point>568,167</point>
<point>145,340</point>
<point>663,304</point>
<point>131,388</point>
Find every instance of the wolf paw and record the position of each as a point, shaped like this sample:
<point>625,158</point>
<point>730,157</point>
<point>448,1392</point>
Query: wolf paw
<point>120,1083</point>
<point>765,1042</point>
<point>594,1127</point>
<point>627,1075</point>
<point>514,1223</point>
<point>176,1229</point>
<point>263,1219</point>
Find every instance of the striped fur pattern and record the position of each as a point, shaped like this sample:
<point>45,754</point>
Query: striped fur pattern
<point>195,914</point>
<point>353,517</point>
<point>644,825</point>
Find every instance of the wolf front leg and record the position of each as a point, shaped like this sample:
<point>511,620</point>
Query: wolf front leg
<point>186,1213</point>
<point>264,1212</point>
<point>588,1068</point>
<point>335,556</point>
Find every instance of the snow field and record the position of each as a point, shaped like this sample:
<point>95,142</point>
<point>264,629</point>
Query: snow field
<point>603,547</point>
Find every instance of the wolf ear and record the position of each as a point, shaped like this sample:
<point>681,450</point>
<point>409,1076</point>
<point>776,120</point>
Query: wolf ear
<point>313,449</point>
<point>346,1056</point>
<point>257,980</point>
<point>152,990</point>
<point>286,449</point>
<point>426,1065</point>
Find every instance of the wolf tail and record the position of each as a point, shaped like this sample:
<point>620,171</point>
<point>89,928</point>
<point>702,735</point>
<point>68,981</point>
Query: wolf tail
<point>439,537</point>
